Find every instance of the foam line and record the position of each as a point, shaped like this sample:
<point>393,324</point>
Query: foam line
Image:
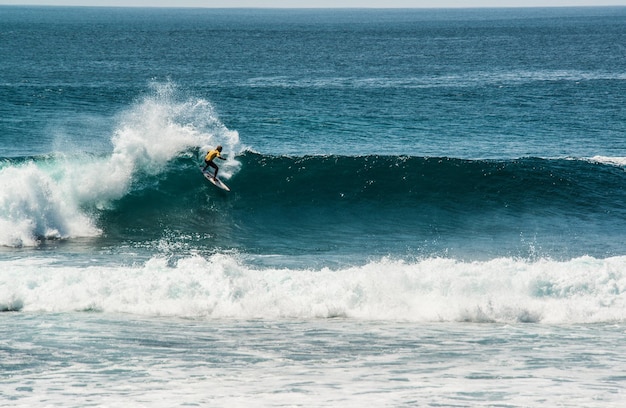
<point>582,290</point>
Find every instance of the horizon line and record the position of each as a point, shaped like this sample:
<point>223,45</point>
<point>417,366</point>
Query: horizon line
<point>315,7</point>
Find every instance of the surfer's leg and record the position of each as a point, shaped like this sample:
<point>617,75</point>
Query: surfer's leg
<point>215,167</point>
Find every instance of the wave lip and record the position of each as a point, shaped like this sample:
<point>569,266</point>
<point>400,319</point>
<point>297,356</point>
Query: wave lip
<point>615,161</point>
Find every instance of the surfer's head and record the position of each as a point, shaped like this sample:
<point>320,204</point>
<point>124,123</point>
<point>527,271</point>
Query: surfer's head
<point>219,148</point>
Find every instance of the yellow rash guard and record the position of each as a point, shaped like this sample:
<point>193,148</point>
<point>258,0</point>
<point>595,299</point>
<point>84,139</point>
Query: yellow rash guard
<point>212,155</point>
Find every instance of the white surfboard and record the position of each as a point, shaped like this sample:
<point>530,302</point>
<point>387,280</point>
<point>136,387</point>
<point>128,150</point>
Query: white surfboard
<point>216,182</point>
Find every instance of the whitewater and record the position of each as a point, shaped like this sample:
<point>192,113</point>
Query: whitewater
<point>583,290</point>
<point>51,197</point>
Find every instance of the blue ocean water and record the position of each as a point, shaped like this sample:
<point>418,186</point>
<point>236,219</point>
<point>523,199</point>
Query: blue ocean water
<point>427,207</point>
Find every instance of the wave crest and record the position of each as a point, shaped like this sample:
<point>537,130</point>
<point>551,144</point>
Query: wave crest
<point>56,197</point>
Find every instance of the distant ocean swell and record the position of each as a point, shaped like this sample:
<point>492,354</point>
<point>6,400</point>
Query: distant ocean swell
<point>582,290</point>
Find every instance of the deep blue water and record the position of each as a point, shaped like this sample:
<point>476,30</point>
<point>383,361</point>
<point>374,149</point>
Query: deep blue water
<point>459,83</point>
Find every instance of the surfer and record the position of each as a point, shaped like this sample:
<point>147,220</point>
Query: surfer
<point>210,156</point>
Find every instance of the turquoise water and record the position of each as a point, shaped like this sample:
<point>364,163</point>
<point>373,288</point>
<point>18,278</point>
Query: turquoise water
<point>411,190</point>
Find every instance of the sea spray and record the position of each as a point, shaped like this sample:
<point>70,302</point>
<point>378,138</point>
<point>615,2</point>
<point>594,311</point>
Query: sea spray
<point>33,205</point>
<point>59,196</point>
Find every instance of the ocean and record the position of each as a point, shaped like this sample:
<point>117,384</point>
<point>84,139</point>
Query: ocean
<point>428,207</point>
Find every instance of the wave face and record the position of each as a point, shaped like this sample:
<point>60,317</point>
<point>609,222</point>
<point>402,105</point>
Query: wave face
<point>335,205</point>
<point>382,205</point>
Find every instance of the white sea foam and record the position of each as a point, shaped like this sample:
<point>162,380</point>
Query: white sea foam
<point>34,204</point>
<point>581,290</point>
<point>86,359</point>
<point>614,161</point>
<point>54,199</point>
<point>469,79</point>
